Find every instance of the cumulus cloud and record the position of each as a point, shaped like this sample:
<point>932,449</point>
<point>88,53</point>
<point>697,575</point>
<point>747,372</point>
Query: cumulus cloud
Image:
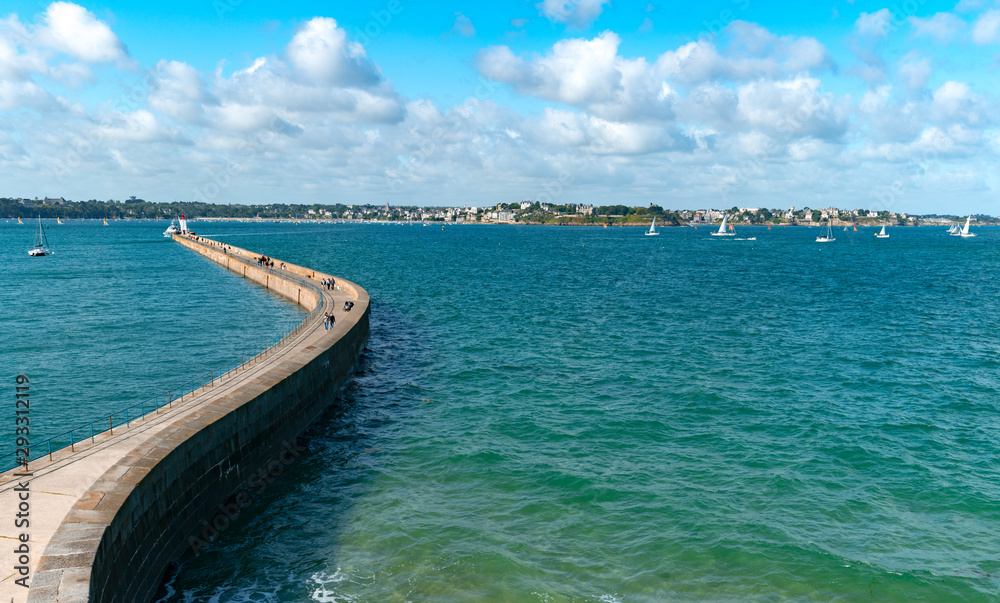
<point>178,91</point>
<point>986,29</point>
<point>575,72</point>
<point>915,70</point>
<point>791,108</point>
<point>137,126</point>
<point>943,27</point>
<point>955,102</point>
<point>25,94</point>
<point>875,25</point>
<point>72,29</point>
<point>575,13</point>
<point>321,51</point>
<point>590,74</point>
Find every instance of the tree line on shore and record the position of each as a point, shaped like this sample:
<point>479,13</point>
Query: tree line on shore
<point>525,212</point>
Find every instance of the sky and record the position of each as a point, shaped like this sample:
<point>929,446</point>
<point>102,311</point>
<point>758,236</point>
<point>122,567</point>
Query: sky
<point>711,104</point>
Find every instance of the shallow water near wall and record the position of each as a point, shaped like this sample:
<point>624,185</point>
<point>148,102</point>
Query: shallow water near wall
<point>588,414</point>
<point>117,315</point>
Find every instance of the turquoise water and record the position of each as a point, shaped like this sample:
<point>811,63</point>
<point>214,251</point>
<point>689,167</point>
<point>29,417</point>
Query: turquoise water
<point>117,315</point>
<point>585,414</point>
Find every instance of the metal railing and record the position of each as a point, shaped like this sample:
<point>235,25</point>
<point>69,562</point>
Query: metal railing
<point>157,404</point>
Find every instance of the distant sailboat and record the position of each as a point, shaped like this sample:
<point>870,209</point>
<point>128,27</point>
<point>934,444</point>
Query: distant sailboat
<point>882,235</point>
<point>59,221</point>
<point>652,230</point>
<point>828,237</point>
<point>954,230</point>
<point>105,221</point>
<point>42,246</point>
<point>965,231</point>
<point>19,221</point>
<point>722,229</point>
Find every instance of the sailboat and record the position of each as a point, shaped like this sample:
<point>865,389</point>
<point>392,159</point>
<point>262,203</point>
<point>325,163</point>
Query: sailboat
<point>965,231</point>
<point>882,235</point>
<point>652,230</point>
<point>19,220</point>
<point>954,230</point>
<point>105,221</point>
<point>828,237</point>
<point>722,232</point>
<point>42,246</point>
<point>59,220</point>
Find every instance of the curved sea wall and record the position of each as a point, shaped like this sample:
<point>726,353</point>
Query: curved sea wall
<point>185,483</point>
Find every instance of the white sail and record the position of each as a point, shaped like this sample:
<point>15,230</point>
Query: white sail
<point>722,232</point>
<point>829,233</point>
<point>965,231</point>
<point>41,248</point>
<point>652,229</point>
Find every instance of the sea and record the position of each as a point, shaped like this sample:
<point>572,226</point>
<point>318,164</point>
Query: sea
<point>569,413</point>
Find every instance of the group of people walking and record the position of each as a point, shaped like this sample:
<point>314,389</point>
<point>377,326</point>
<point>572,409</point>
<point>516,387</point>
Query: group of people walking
<point>265,262</point>
<point>328,321</point>
<point>329,283</point>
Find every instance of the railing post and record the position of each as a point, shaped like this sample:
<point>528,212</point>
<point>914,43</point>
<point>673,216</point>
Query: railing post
<point>91,433</point>
<point>127,423</point>
<point>212,375</point>
<point>111,425</point>
<point>72,444</point>
<point>50,450</point>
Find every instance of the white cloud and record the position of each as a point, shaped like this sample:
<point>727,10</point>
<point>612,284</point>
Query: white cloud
<point>576,13</point>
<point>321,51</point>
<point>875,24</point>
<point>72,29</point>
<point>874,101</point>
<point>986,29</point>
<point>915,70</point>
<point>463,26</point>
<point>136,126</point>
<point>954,102</point>
<point>590,74</point>
<point>791,109</point>
<point>178,91</point>
<point>942,26</point>
<point>575,72</point>
<point>25,94</point>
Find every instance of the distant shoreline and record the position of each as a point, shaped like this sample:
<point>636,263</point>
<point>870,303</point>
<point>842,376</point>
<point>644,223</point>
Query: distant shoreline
<point>591,224</point>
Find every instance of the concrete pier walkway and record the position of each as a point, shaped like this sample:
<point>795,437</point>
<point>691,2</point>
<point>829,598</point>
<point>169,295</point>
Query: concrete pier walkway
<point>77,498</point>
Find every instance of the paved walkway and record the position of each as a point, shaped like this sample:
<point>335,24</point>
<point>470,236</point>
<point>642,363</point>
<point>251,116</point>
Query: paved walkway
<point>57,486</point>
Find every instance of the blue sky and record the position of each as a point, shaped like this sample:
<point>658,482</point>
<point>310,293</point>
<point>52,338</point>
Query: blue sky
<point>709,104</point>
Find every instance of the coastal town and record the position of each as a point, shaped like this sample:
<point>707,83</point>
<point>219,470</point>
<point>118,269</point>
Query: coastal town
<point>522,212</point>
